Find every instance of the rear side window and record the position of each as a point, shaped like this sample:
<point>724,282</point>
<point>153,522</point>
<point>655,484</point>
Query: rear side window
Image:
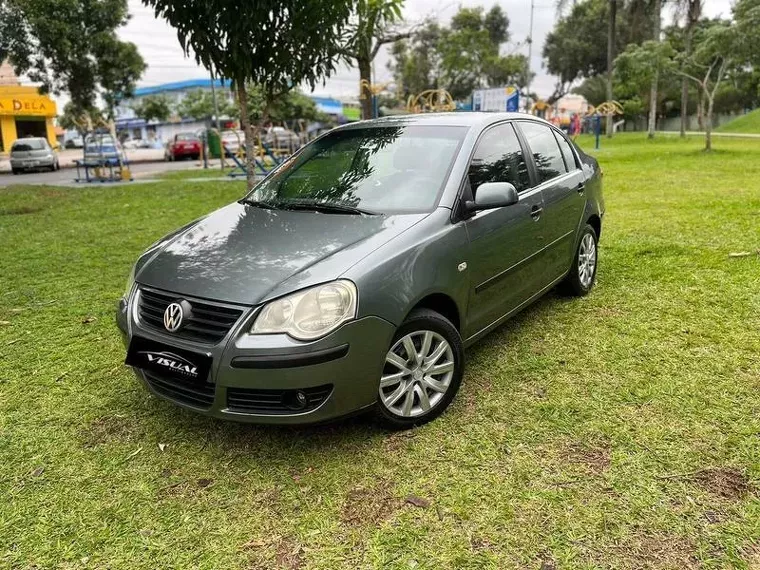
<point>499,158</point>
<point>545,150</point>
<point>27,145</point>
<point>567,152</point>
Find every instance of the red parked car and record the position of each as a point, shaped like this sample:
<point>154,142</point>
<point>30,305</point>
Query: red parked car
<point>183,145</point>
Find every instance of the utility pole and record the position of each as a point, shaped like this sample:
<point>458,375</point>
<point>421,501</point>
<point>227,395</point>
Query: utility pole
<point>213,98</point>
<point>530,54</point>
<point>216,121</point>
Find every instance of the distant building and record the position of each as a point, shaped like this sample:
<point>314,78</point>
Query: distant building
<point>23,111</point>
<point>134,127</point>
<point>130,126</point>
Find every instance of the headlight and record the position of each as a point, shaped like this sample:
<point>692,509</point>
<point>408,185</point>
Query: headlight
<point>130,283</point>
<point>309,314</point>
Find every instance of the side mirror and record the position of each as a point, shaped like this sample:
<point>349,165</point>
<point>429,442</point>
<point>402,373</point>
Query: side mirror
<point>490,195</point>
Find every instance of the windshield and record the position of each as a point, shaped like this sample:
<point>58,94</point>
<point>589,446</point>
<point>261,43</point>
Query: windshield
<point>25,146</point>
<point>393,169</point>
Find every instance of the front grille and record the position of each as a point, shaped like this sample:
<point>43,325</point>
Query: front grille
<point>192,394</point>
<point>208,323</point>
<point>275,402</point>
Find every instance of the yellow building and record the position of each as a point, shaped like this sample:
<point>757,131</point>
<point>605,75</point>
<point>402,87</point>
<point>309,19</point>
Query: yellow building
<point>23,111</point>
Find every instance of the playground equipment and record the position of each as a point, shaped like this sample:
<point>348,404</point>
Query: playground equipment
<point>606,109</point>
<point>431,101</point>
<point>265,158</point>
<point>103,158</point>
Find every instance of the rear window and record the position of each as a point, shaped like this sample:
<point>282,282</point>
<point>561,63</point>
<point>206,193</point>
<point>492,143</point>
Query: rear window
<point>25,146</point>
<point>187,137</point>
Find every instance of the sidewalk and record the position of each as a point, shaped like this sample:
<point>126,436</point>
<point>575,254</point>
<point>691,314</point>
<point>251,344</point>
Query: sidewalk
<point>67,157</point>
<point>714,133</point>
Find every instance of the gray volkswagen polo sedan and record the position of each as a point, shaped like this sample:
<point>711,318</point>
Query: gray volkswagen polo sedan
<point>353,277</point>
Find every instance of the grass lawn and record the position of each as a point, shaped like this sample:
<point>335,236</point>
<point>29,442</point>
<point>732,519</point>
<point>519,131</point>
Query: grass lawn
<point>621,430</point>
<point>749,123</point>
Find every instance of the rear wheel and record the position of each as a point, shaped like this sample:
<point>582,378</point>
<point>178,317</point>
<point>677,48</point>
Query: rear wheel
<point>422,372</point>
<point>582,276</point>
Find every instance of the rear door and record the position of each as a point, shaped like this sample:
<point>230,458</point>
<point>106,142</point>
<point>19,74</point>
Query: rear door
<point>561,183</point>
<point>503,263</point>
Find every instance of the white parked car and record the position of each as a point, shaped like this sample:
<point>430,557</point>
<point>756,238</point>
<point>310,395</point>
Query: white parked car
<point>31,154</point>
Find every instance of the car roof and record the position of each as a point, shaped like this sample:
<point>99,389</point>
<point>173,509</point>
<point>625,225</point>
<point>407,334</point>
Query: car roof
<point>27,139</point>
<point>463,118</point>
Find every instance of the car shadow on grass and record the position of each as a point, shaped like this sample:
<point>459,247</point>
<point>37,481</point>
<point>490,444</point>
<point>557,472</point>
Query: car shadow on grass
<point>310,443</point>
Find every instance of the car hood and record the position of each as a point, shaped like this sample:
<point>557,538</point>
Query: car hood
<point>245,254</point>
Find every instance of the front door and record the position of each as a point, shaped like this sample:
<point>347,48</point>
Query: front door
<point>561,184</point>
<point>504,265</point>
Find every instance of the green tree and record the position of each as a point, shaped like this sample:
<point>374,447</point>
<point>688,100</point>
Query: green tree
<point>153,108</point>
<point>70,46</point>
<point>290,106</point>
<point>581,42</point>
<point>199,104</point>
<point>717,46</point>
<point>416,62</point>
<point>272,43</point>
<point>463,57</point>
<point>373,24</point>
<point>76,120</point>
<point>119,67</point>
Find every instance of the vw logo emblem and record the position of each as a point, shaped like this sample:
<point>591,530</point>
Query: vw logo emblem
<point>173,317</point>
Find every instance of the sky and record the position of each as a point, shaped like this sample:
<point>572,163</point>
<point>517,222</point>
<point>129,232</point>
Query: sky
<point>160,48</point>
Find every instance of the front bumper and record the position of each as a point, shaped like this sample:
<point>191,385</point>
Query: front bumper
<point>257,378</point>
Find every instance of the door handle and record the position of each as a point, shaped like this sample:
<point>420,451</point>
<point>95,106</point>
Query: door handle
<point>581,188</point>
<point>535,212</point>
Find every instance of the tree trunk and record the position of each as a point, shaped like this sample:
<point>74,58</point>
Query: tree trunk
<point>652,124</point>
<point>708,125</point>
<point>685,83</point>
<point>365,73</point>
<point>245,122</point>
<point>610,58</point>
<point>701,112</point>
<point>684,106</point>
<point>653,90</point>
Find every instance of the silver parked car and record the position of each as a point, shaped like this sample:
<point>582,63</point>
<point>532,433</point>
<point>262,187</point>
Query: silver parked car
<point>355,275</point>
<point>32,154</point>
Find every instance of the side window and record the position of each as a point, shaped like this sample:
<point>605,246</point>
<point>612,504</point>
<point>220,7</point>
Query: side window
<point>499,158</point>
<point>567,152</point>
<point>545,150</point>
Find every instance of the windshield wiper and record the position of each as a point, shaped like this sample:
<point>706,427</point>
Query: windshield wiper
<point>329,208</point>
<point>260,204</point>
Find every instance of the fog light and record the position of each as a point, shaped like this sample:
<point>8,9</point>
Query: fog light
<point>296,399</point>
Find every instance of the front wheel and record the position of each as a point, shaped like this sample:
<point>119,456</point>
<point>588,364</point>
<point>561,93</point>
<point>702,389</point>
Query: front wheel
<point>422,372</point>
<point>582,274</point>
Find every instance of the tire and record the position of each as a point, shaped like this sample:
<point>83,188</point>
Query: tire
<point>412,389</point>
<point>578,282</point>
<point>15,170</point>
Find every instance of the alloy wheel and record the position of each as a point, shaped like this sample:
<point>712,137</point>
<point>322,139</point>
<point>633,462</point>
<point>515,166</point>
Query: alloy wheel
<point>418,371</point>
<point>587,260</point>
